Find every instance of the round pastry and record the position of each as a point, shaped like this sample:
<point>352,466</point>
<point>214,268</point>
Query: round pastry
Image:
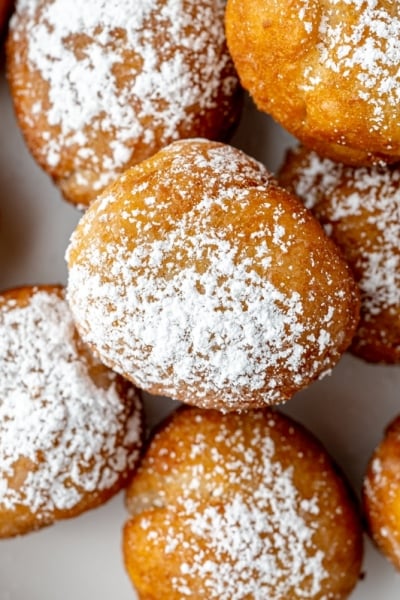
<point>334,82</point>
<point>360,210</point>
<point>195,273</point>
<point>70,429</point>
<point>234,506</point>
<point>99,85</point>
<point>382,494</point>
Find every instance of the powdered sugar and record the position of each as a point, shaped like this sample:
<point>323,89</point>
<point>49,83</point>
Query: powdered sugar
<point>360,40</point>
<point>178,301</point>
<point>372,197</point>
<point>240,534</point>
<point>306,15</point>
<point>182,319</point>
<point>131,70</point>
<point>254,539</point>
<point>78,436</point>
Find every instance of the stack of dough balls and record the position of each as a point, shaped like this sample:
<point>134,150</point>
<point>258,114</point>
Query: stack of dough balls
<point>328,71</point>
<point>360,209</point>
<point>100,85</point>
<point>70,429</point>
<point>196,277</point>
<point>234,506</point>
<point>382,494</point>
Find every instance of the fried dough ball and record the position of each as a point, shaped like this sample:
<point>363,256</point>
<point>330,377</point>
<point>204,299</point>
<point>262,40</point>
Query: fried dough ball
<point>360,209</point>
<point>195,273</point>
<point>327,71</point>
<point>382,494</point>
<point>240,506</point>
<point>99,86</point>
<point>70,429</point>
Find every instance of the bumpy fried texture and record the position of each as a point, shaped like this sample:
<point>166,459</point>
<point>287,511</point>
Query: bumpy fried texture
<point>195,273</point>
<point>70,429</point>
<point>327,71</point>
<point>382,494</point>
<point>99,86</point>
<point>360,209</point>
<point>239,507</point>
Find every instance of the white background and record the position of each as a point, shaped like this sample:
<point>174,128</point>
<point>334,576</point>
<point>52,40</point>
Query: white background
<point>81,559</point>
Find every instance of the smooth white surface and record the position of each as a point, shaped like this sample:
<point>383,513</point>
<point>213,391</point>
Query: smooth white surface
<point>81,559</point>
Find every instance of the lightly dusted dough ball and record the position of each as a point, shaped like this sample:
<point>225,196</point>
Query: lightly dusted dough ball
<point>382,494</point>
<point>240,506</point>
<point>328,71</point>
<point>360,209</point>
<point>70,429</point>
<point>195,273</point>
<point>100,85</point>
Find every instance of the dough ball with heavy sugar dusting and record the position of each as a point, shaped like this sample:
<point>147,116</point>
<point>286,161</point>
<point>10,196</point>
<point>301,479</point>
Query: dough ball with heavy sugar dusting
<point>99,86</point>
<point>359,208</point>
<point>197,277</point>
<point>328,71</point>
<point>70,429</point>
<point>240,506</point>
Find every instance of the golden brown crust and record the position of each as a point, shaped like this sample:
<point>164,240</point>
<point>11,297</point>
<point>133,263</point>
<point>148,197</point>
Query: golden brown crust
<point>195,273</point>
<point>239,506</point>
<point>70,430</point>
<point>360,210</point>
<point>332,82</point>
<point>381,494</point>
<point>147,91</point>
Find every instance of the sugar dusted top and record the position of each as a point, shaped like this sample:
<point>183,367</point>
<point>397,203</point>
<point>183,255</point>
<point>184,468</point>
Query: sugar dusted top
<point>183,277</point>
<point>63,421</point>
<point>127,72</point>
<point>235,504</point>
<point>366,200</point>
<point>360,40</point>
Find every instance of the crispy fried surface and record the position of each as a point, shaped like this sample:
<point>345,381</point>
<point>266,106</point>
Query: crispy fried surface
<point>326,71</point>
<point>382,494</point>
<point>94,95</point>
<point>242,507</point>
<point>360,209</point>
<point>70,430</point>
<point>195,272</point>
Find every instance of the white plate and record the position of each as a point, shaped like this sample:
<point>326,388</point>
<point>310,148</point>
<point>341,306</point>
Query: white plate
<point>81,559</point>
